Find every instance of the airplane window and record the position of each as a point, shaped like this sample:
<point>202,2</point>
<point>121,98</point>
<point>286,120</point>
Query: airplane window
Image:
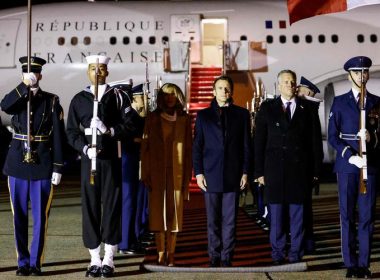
<point>74,41</point>
<point>139,40</point>
<point>373,38</point>
<point>269,39</point>
<point>61,41</point>
<point>282,39</point>
<point>360,38</point>
<point>243,38</point>
<point>86,40</point>
<point>113,40</point>
<point>334,38</point>
<point>152,40</point>
<point>126,40</point>
<point>308,39</point>
<point>296,39</point>
<point>321,38</point>
<point>165,39</point>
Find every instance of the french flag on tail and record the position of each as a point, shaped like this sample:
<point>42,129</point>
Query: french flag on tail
<point>300,9</point>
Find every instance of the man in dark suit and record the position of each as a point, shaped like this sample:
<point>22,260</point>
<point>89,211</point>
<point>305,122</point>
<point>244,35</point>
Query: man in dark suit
<point>307,90</point>
<point>220,161</point>
<point>342,135</point>
<point>31,177</point>
<point>287,150</point>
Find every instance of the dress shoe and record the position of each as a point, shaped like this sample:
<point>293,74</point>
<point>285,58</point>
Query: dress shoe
<point>226,263</point>
<point>22,271</point>
<point>107,271</point>
<point>214,262</point>
<point>351,272</point>
<point>364,272</point>
<point>93,271</point>
<point>170,259</point>
<point>35,271</point>
<point>278,262</point>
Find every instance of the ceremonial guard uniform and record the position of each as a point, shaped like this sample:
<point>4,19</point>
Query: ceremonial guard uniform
<point>100,224</point>
<point>342,131</point>
<point>308,90</point>
<point>33,180</point>
<point>133,193</point>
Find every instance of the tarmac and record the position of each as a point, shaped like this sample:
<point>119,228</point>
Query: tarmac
<point>66,257</point>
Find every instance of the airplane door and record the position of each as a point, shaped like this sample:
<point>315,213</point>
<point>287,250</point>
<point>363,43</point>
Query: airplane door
<point>214,33</point>
<point>8,35</point>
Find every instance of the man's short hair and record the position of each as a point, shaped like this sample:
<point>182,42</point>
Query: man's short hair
<point>287,71</point>
<point>224,78</point>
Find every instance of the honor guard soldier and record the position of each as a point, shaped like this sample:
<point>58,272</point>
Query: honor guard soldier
<point>307,90</point>
<point>133,193</point>
<point>31,175</point>
<point>344,131</point>
<point>99,143</point>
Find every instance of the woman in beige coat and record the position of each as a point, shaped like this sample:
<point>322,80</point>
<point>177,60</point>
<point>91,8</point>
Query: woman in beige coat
<point>166,168</point>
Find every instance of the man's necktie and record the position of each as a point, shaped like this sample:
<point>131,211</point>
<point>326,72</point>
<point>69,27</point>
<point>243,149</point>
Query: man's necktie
<point>287,111</point>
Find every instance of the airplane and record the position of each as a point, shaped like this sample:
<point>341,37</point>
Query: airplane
<point>252,38</point>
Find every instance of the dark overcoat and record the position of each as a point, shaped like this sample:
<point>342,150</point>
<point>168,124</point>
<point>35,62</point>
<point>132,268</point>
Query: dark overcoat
<point>222,157</point>
<point>287,153</point>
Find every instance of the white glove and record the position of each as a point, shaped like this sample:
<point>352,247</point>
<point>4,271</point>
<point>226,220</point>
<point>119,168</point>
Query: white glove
<point>29,79</point>
<point>358,161</point>
<point>91,153</point>
<point>97,123</point>
<point>56,178</point>
<point>363,134</point>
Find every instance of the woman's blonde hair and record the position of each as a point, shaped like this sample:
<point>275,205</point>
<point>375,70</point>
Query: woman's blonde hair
<point>171,88</point>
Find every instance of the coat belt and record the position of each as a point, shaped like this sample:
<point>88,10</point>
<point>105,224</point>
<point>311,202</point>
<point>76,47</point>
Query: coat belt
<point>35,138</point>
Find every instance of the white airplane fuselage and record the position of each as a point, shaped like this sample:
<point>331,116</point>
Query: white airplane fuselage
<point>131,33</point>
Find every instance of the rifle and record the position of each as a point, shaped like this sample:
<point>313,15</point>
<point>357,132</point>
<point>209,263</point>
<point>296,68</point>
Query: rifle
<point>29,157</point>
<point>94,130</point>
<point>362,140</point>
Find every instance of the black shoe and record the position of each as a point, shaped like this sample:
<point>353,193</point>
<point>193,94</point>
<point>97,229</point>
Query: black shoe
<point>214,262</point>
<point>22,271</point>
<point>35,271</point>
<point>107,271</point>
<point>278,262</point>
<point>364,272</point>
<point>93,271</point>
<point>351,272</point>
<point>226,263</point>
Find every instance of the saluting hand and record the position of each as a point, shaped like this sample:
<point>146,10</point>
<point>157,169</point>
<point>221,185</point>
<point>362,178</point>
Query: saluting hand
<point>201,182</point>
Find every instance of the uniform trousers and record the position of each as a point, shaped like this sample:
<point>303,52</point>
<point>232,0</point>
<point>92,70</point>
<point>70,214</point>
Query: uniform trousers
<point>129,191</point>
<point>349,197</point>
<point>222,209</point>
<point>278,231</point>
<point>101,203</point>
<point>40,194</point>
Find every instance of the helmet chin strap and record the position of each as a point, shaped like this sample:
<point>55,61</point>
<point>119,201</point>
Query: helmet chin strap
<point>353,80</point>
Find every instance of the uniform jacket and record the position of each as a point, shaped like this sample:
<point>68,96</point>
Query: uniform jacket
<point>153,167</point>
<point>222,158</point>
<point>287,153</point>
<point>81,113</point>
<point>47,120</point>
<point>344,118</point>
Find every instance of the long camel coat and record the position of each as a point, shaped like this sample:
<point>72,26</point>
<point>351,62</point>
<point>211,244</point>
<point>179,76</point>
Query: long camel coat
<point>153,170</point>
